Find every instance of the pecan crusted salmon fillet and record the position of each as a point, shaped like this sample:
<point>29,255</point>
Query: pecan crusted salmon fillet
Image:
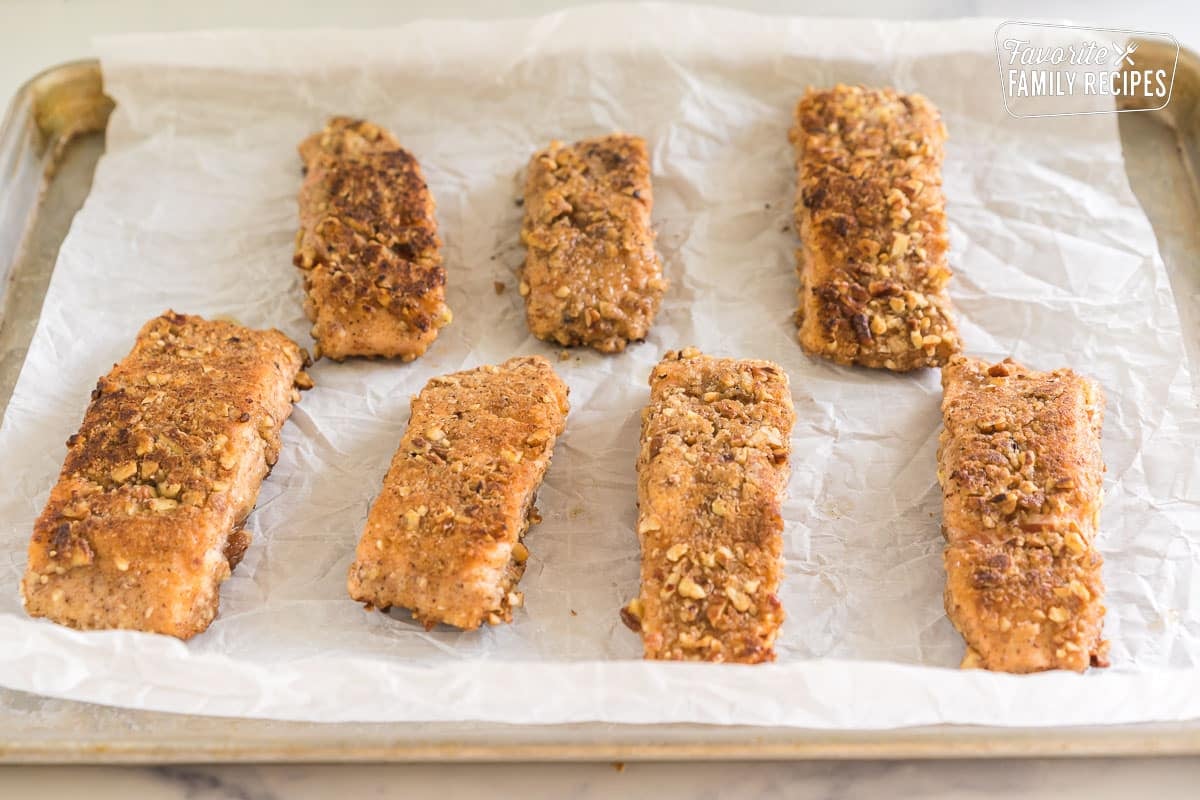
<point>872,222</point>
<point>444,537</point>
<point>146,519</point>
<point>591,274</point>
<point>368,245</point>
<point>712,476</point>
<point>1021,472</point>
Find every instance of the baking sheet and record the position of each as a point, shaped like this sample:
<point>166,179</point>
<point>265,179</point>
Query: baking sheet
<point>193,207</point>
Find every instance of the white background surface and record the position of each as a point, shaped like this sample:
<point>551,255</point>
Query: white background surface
<point>36,34</point>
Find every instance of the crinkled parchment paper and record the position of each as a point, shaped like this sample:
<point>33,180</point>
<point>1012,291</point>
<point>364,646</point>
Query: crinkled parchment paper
<point>194,208</point>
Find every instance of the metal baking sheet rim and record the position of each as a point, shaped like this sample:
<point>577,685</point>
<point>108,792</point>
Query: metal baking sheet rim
<point>65,103</point>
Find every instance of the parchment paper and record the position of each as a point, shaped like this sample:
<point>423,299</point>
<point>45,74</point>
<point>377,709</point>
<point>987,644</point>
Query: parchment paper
<point>193,208</point>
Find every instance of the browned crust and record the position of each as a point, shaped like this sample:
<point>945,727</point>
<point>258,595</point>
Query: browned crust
<point>1021,472</point>
<point>712,476</point>
<point>146,518</point>
<point>444,536</point>
<point>368,245</point>
<point>871,217</point>
<point>591,275</point>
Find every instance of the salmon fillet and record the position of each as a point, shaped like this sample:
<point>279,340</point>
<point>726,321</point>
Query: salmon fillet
<point>712,476</point>
<point>146,519</point>
<point>444,537</point>
<point>1021,470</point>
<point>591,275</point>
<point>872,222</point>
<point>368,245</point>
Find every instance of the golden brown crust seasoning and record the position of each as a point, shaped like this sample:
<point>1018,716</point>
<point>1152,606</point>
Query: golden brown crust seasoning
<point>591,275</point>
<point>1021,472</point>
<point>444,536</point>
<point>871,217</point>
<point>146,518</point>
<point>368,245</point>
<point>712,476</point>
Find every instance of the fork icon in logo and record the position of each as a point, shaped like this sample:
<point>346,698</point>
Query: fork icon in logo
<point>1124,54</point>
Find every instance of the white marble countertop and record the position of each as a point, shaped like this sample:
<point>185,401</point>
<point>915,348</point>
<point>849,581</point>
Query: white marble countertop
<point>35,34</point>
<point>864,780</point>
